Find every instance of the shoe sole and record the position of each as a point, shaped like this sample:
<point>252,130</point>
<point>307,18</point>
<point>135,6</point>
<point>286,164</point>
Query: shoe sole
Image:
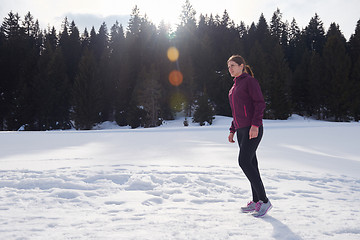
<point>248,211</point>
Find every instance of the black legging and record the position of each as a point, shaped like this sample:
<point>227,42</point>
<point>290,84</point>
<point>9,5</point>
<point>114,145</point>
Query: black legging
<point>248,161</point>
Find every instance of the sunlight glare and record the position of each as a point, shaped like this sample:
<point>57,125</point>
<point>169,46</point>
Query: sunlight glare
<point>173,54</point>
<point>175,78</point>
<point>177,102</point>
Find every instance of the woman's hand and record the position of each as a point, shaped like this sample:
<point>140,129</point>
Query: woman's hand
<point>253,133</point>
<point>231,137</point>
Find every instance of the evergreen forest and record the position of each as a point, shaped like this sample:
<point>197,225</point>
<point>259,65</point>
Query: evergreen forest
<point>61,79</point>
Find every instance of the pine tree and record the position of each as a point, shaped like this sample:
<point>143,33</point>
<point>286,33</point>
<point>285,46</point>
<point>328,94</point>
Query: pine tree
<point>51,91</point>
<point>43,91</point>
<point>51,38</point>
<point>3,107</point>
<point>72,51</point>
<point>354,44</point>
<point>262,33</point>
<point>85,40</point>
<point>296,45</point>
<point>277,26</point>
<point>21,51</point>
<point>187,16</point>
<point>116,65</point>
<point>204,111</point>
<point>355,97</point>
<point>315,35</point>
<point>99,42</point>
<point>164,40</point>
<point>147,44</point>
<point>59,115</point>
<point>317,91</point>
<point>300,85</point>
<point>29,25</point>
<point>133,29</point>
<point>99,46</point>
<point>69,42</point>
<point>259,61</point>
<point>259,42</point>
<point>336,70</point>
<point>135,115</point>
<point>249,39</point>
<point>242,29</point>
<point>279,86</point>
<point>87,93</point>
<point>11,62</point>
<point>131,61</point>
<point>11,26</point>
<point>279,31</point>
<point>64,34</point>
<point>148,96</point>
<point>30,46</point>
<point>354,51</point>
<point>187,45</point>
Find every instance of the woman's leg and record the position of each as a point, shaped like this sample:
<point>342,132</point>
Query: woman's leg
<point>249,164</point>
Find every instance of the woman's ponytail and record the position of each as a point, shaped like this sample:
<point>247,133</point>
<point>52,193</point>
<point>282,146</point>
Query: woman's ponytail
<point>248,70</point>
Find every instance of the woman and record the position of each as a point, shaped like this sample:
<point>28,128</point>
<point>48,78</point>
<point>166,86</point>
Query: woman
<point>247,106</point>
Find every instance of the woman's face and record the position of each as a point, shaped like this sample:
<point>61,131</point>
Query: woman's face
<point>235,69</point>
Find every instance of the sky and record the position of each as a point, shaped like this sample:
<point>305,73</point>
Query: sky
<point>88,13</point>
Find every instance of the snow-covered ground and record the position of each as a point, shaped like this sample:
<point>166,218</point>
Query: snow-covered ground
<point>176,182</point>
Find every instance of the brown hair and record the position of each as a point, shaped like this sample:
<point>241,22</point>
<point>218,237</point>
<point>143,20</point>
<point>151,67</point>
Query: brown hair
<point>240,60</point>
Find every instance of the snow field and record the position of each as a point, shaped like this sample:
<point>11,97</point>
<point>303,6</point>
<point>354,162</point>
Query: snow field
<point>173,182</point>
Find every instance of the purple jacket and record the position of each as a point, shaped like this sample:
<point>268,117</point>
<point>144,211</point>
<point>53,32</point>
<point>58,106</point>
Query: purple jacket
<point>246,102</point>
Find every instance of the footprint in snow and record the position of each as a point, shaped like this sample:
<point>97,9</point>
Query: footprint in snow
<point>152,201</point>
<point>114,202</point>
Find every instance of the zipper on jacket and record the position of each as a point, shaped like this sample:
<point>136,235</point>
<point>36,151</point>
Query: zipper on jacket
<point>245,111</point>
<point>236,124</point>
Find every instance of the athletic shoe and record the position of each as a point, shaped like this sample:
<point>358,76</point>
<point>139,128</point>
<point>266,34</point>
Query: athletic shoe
<point>262,208</point>
<point>250,207</point>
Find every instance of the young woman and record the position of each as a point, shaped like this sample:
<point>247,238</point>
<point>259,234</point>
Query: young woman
<point>247,106</point>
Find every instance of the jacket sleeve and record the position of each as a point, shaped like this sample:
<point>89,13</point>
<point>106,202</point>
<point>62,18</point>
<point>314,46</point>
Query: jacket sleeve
<point>258,102</point>
<point>232,127</point>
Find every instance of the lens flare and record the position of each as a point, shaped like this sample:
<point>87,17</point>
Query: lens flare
<point>175,78</point>
<point>173,54</point>
<point>177,102</point>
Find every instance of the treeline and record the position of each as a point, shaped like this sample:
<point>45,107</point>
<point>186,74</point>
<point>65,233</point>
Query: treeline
<point>59,80</point>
